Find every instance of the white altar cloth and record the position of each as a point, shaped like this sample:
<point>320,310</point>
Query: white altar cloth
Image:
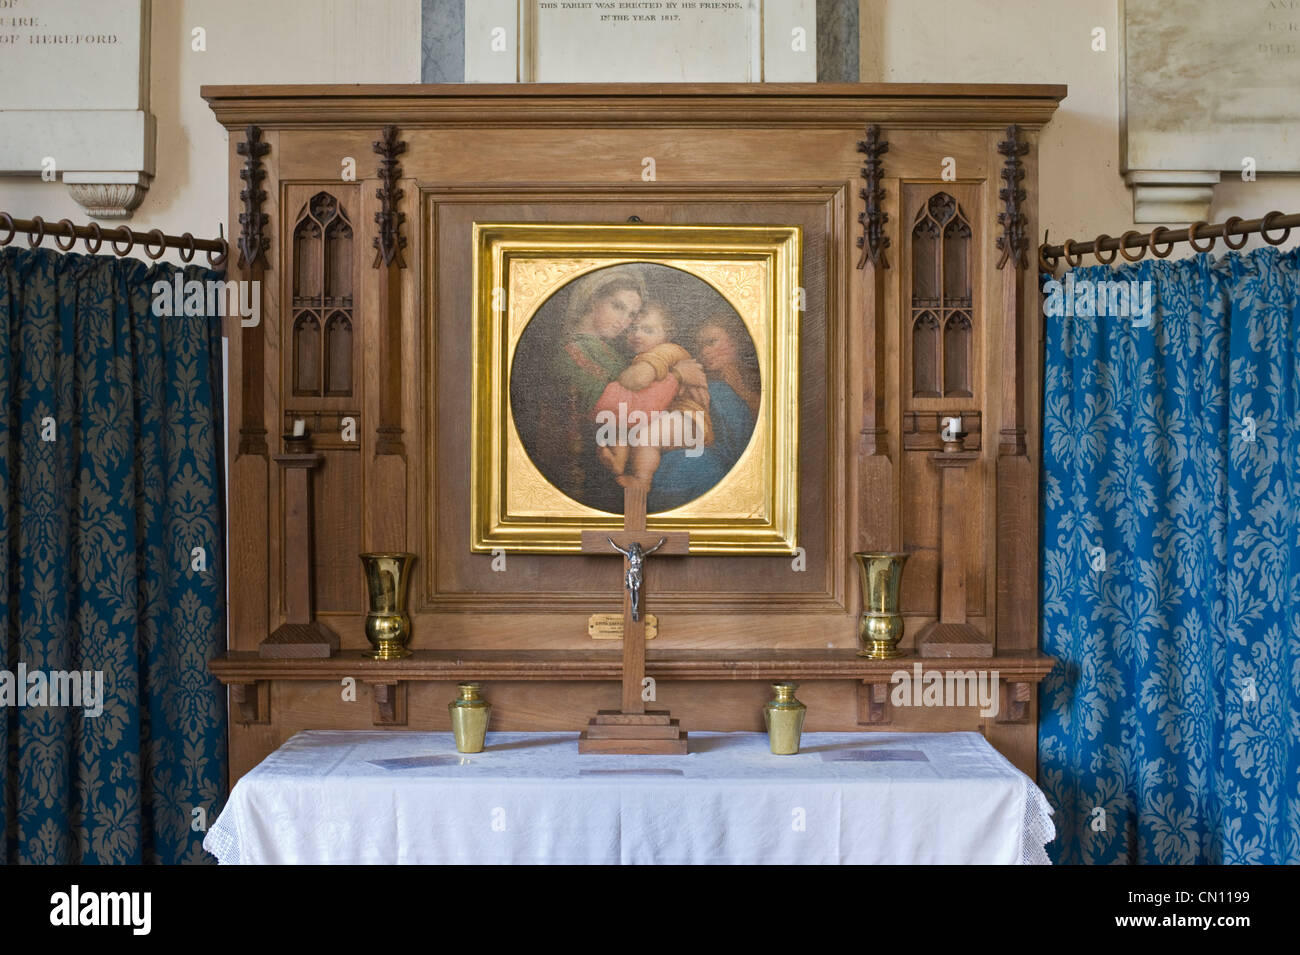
<point>339,797</point>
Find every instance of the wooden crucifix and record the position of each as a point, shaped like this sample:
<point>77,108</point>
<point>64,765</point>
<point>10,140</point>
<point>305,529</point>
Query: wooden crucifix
<point>634,729</point>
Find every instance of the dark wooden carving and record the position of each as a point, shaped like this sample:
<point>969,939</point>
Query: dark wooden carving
<point>390,241</point>
<point>942,299</point>
<point>873,240</point>
<point>322,304</point>
<point>875,472</point>
<point>252,261</point>
<point>249,472</point>
<point>1017,480</point>
<point>252,243</point>
<point>1014,240</point>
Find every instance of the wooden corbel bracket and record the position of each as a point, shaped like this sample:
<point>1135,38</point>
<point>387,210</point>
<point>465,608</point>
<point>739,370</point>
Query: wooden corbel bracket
<point>1013,705</point>
<point>389,707</point>
<point>873,704</point>
<point>250,703</point>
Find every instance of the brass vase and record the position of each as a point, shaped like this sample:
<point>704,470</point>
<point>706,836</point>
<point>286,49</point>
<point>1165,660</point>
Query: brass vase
<point>881,625</point>
<point>784,718</point>
<point>469,718</point>
<point>388,626</point>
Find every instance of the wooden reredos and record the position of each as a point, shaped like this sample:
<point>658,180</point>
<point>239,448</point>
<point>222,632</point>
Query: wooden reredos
<point>354,207</point>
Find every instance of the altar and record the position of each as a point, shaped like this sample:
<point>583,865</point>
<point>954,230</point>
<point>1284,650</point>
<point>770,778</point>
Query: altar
<point>338,798</point>
<point>780,337</point>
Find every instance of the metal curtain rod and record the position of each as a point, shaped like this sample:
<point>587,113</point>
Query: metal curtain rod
<point>1049,256</point>
<point>36,229</point>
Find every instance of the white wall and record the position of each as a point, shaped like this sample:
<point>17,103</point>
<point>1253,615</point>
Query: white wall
<point>912,41</point>
<point>1046,41</point>
<point>248,41</point>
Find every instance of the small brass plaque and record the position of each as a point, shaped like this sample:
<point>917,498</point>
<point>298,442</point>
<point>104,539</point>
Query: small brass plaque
<point>609,626</point>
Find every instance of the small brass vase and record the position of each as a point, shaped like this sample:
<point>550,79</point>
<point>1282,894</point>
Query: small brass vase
<point>784,718</point>
<point>881,625</point>
<point>469,718</point>
<point>388,626</point>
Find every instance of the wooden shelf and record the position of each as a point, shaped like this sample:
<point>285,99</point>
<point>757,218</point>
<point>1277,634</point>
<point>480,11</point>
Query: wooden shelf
<point>242,667</point>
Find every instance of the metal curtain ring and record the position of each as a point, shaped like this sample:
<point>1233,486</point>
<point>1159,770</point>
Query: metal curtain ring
<point>157,236</point>
<point>1229,224</point>
<point>188,239</point>
<point>1154,238</point>
<point>221,256</point>
<point>1047,263</point>
<point>129,239</point>
<point>72,235</point>
<point>8,220</point>
<point>1075,260</point>
<point>1096,249</point>
<point>1048,266</point>
<point>1191,237</point>
<point>1123,246</point>
<point>1267,223</point>
<point>38,230</point>
<point>98,233</point>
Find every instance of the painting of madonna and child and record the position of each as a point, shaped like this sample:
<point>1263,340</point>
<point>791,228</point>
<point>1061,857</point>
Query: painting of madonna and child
<point>635,375</point>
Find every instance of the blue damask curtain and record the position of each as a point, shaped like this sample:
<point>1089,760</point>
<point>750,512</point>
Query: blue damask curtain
<point>1171,567</point>
<point>111,560</point>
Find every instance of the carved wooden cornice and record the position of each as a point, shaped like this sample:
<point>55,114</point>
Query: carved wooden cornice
<point>252,243</point>
<point>873,240</point>
<point>390,241</point>
<point>476,105</point>
<point>1014,240</point>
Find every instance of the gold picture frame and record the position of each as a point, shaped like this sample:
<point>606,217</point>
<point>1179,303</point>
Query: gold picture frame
<point>544,322</point>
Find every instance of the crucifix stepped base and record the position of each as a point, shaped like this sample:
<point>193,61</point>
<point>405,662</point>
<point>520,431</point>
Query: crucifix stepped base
<point>653,732</point>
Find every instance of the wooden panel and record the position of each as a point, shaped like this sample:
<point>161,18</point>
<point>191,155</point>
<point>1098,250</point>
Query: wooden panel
<point>336,510</point>
<point>250,475</point>
<point>456,580</point>
<point>322,221</point>
<point>920,483</point>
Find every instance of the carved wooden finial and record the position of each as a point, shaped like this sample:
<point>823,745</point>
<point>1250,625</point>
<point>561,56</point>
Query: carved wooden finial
<point>873,240</point>
<point>1014,240</point>
<point>252,243</point>
<point>390,241</point>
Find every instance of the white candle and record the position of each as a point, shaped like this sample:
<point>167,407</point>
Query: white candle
<point>299,428</point>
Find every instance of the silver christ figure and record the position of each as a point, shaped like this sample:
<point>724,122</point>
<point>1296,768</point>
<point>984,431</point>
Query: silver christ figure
<point>635,569</point>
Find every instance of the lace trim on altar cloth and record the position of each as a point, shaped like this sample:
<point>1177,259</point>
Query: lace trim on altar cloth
<point>221,842</point>
<point>1039,829</point>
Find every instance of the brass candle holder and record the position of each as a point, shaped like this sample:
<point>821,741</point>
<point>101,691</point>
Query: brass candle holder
<point>880,627</point>
<point>388,626</point>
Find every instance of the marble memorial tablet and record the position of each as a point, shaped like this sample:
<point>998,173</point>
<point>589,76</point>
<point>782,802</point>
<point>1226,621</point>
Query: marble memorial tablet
<point>640,41</point>
<point>643,42</point>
